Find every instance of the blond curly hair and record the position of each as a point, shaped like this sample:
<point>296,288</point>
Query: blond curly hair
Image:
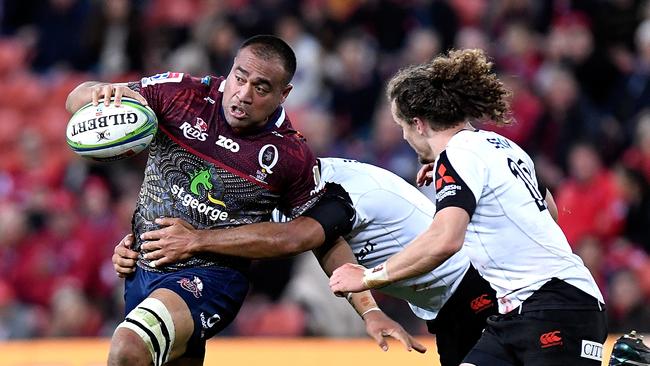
<point>450,90</point>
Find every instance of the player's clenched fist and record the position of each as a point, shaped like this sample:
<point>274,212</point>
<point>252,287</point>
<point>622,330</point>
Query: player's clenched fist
<point>124,259</point>
<point>347,278</point>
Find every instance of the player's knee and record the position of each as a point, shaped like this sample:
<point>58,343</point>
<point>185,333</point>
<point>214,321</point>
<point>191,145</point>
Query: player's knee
<point>147,333</point>
<point>127,348</point>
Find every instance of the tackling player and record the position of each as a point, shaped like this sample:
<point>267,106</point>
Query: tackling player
<point>225,155</point>
<point>380,214</point>
<point>490,202</point>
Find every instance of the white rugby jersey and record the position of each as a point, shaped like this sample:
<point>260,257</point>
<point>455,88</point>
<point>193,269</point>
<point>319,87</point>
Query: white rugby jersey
<point>390,213</point>
<point>511,239</point>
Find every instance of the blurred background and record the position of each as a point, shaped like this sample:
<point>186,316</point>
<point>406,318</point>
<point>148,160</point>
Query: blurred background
<point>579,70</point>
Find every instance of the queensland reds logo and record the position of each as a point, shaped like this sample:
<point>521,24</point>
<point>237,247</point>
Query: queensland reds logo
<point>200,124</point>
<point>267,158</point>
<point>195,286</point>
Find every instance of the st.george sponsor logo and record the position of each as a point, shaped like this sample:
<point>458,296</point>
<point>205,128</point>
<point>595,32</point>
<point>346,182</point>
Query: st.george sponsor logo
<point>187,200</point>
<point>201,179</point>
<point>196,132</point>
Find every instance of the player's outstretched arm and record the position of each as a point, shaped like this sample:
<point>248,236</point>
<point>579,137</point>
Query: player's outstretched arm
<point>331,217</point>
<point>378,325</point>
<point>441,240</point>
<point>93,91</point>
<point>177,240</point>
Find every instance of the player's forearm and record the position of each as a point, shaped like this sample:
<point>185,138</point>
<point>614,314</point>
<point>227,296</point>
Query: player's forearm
<point>80,96</point>
<point>262,240</point>
<point>334,256</point>
<point>421,256</point>
<point>427,251</point>
<point>337,255</point>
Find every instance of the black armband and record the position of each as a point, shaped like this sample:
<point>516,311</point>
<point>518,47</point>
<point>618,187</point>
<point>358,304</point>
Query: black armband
<point>334,212</point>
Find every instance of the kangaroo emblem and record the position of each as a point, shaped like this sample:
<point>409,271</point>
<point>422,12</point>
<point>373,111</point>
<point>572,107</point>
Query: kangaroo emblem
<point>202,178</point>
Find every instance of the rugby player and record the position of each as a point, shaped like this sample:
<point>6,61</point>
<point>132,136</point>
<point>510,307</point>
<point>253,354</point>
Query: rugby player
<point>490,202</point>
<point>225,155</point>
<point>381,214</point>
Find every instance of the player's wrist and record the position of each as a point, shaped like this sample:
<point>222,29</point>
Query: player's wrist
<point>362,302</point>
<point>369,312</point>
<point>376,276</point>
<point>200,242</point>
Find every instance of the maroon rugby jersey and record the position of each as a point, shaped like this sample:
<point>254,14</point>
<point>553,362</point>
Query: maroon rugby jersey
<point>199,170</point>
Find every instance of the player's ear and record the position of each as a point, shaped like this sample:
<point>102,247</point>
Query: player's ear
<point>420,125</point>
<point>285,93</point>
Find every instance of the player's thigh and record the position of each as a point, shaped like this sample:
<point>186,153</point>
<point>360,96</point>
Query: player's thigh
<point>213,296</point>
<point>181,317</point>
<point>201,302</point>
<point>491,349</point>
<point>460,322</point>
<point>542,338</point>
<point>564,338</point>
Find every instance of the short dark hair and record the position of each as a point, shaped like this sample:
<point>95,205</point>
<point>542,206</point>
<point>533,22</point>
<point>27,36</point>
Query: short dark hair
<point>267,46</point>
<point>450,89</point>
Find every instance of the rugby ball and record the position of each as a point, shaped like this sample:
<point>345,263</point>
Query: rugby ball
<point>109,133</point>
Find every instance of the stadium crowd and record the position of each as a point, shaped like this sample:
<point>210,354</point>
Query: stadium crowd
<point>579,70</point>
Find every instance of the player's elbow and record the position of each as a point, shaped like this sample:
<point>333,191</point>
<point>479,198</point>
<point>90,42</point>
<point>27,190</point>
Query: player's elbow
<point>73,102</point>
<point>444,246</point>
<point>450,249</point>
<point>70,105</point>
<point>79,96</point>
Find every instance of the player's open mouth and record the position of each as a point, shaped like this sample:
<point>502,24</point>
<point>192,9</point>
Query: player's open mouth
<point>237,112</point>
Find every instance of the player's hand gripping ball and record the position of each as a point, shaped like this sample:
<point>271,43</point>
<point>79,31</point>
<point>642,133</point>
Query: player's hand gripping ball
<point>109,133</point>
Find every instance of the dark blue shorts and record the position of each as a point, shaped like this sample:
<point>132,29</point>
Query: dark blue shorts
<point>213,295</point>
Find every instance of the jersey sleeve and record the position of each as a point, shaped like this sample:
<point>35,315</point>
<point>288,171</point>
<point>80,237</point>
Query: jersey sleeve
<point>165,92</point>
<point>459,180</point>
<point>302,179</point>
